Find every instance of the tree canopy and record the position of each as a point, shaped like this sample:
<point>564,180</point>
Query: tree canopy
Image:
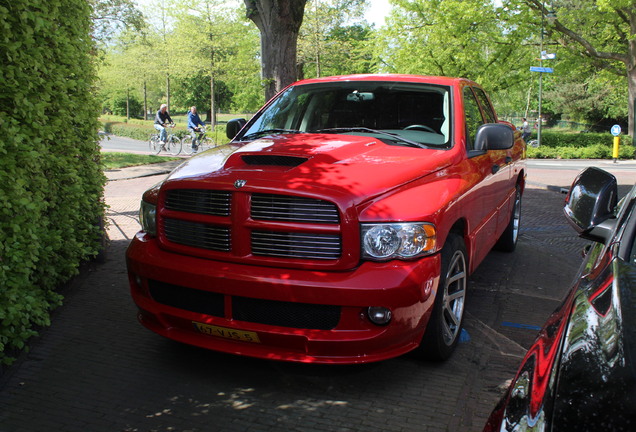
<point>212,47</point>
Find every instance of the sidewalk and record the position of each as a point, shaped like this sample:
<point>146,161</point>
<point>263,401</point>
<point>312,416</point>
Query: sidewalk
<point>558,175</point>
<point>142,170</point>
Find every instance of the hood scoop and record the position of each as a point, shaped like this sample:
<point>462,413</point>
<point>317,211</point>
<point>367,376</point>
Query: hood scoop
<point>273,160</point>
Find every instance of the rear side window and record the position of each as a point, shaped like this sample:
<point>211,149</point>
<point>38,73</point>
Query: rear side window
<point>489,113</point>
<point>473,117</point>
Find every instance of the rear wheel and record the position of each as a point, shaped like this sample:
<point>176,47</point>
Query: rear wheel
<point>173,145</point>
<point>508,240</point>
<point>206,143</point>
<point>445,325</point>
<point>153,144</point>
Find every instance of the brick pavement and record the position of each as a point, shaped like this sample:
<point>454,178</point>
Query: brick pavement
<point>96,369</point>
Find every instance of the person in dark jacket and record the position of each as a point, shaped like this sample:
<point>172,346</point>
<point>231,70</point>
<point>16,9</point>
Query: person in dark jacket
<point>162,119</point>
<point>194,121</point>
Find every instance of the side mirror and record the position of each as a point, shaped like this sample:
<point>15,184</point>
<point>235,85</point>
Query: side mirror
<point>494,136</point>
<point>590,204</point>
<point>234,126</point>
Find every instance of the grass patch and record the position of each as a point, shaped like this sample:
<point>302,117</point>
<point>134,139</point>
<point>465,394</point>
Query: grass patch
<point>114,160</point>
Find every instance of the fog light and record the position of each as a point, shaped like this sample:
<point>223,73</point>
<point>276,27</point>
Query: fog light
<point>379,315</point>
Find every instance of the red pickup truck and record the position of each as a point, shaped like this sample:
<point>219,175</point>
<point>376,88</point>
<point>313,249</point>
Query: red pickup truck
<point>339,225</point>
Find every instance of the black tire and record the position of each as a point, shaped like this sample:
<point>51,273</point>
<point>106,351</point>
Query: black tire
<point>186,145</point>
<point>173,145</point>
<point>153,144</point>
<point>445,325</point>
<point>206,143</point>
<point>508,240</point>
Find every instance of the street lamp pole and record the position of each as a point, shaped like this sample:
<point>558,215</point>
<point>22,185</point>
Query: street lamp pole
<point>540,120</point>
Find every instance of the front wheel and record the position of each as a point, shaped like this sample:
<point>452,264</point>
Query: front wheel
<point>173,145</point>
<point>445,325</point>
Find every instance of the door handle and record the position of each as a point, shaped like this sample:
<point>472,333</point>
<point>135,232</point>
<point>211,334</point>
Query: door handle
<point>508,159</point>
<point>495,169</point>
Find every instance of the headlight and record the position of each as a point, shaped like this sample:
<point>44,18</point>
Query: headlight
<point>397,240</point>
<point>148,217</point>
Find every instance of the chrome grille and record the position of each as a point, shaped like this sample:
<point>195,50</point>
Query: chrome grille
<point>202,201</point>
<point>268,213</point>
<point>199,235</point>
<point>293,209</point>
<point>296,245</point>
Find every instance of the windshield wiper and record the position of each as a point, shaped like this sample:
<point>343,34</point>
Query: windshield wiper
<point>369,130</point>
<point>264,132</point>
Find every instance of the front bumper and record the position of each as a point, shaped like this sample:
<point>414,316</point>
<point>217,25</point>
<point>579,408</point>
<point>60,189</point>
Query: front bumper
<point>289,312</point>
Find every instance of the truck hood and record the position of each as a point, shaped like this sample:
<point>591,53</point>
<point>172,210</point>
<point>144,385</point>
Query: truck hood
<point>356,166</point>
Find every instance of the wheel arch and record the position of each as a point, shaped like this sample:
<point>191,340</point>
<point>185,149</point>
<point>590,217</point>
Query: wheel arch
<point>521,180</point>
<point>460,228</point>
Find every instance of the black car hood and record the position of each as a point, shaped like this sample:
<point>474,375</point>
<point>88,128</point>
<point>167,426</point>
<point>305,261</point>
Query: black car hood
<point>596,380</point>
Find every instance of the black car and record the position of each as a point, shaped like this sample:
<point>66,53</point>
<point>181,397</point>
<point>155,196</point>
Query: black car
<point>580,375</point>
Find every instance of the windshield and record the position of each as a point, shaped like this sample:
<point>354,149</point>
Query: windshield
<point>396,113</point>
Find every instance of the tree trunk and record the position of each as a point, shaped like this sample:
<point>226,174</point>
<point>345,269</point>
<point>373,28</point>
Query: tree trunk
<point>630,65</point>
<point>145,102</point>
<point>631,91</point>
<point>212,107</point>
<point>168,91</point>
<point>279,22</point>
<point>127,104</point>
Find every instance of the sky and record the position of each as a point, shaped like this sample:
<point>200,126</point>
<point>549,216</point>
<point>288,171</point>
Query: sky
<point>375,14</point>
<point>378,10</point>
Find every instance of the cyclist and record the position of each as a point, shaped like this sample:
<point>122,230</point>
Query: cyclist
<point>162,119</point>
<point>526,130</point>
<point>193,127</point>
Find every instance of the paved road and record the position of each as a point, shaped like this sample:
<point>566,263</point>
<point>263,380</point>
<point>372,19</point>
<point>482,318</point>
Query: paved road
<point>543,172</point>
<point>96,369</point>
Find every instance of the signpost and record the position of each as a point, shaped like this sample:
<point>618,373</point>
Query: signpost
<point>541,69</point>
<point>544,56</point>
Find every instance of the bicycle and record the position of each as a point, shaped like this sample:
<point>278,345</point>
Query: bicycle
<point>172,144</point>
<point>201,142</point>
<point>533,143</point>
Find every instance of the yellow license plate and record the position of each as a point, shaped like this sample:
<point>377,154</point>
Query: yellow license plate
<point>228,333</point>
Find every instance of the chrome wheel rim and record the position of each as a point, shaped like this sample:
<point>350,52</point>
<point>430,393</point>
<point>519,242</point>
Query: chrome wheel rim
<point>454,297</point>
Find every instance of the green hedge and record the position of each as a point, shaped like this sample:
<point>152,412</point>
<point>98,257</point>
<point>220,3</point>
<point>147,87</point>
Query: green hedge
<point>597,151</point>
<point>51,184</point>
<point>564,145</point>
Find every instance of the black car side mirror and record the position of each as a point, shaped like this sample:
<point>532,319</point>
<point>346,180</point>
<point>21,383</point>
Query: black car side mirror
<point>590,203</point>
<point>494,136</point>
<point>234,126</point>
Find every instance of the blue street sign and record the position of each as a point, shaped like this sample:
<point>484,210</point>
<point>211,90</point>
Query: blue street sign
<point>616,130</point>
<point>541,69</point>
